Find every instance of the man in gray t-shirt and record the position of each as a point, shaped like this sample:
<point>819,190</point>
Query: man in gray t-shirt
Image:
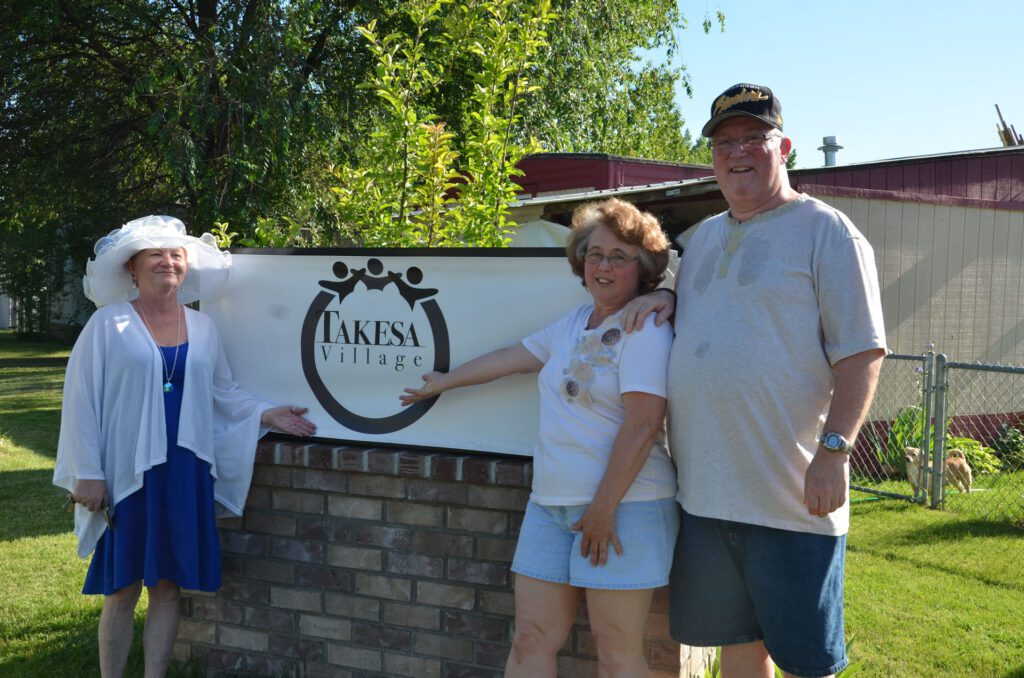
<point>779,340</point>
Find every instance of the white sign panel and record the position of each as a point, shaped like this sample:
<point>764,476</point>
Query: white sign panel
<point>342,332</point>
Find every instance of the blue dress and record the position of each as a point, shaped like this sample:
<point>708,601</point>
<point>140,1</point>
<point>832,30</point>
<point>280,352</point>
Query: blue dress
<point>167,529</point>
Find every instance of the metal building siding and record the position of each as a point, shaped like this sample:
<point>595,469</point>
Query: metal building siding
<point>995,175</point>
<point>950,275</point>
<point>562,172</point>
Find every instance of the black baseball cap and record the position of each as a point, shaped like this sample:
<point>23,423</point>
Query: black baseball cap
<point>753,101</point>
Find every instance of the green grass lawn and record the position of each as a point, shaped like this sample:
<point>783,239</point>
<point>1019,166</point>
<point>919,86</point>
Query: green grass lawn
<point>47,627</point>
<point>932,593</point>
<point>928,593</point>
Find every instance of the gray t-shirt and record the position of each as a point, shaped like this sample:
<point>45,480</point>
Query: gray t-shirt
<point>766,307</point>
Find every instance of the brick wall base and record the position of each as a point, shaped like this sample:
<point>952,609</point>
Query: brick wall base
<point>356,562</point>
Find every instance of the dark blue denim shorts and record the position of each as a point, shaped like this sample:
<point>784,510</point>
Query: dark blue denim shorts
<point>738,583</point>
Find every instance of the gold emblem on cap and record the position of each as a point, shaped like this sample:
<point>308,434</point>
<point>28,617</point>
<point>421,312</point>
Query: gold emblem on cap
<point>724,103</point>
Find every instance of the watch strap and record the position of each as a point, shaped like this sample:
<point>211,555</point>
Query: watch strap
<point>835,442</point>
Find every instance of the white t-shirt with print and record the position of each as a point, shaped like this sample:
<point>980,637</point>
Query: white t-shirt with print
<point>581,384</point>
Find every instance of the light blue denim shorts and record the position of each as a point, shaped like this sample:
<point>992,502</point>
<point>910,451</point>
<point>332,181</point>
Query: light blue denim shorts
<point>550,551</point>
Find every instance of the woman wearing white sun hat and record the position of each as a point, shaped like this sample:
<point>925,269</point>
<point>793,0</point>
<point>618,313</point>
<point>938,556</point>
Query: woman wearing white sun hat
<point>154,430</point>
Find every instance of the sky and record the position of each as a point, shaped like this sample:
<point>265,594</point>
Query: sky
<point>889,79</point>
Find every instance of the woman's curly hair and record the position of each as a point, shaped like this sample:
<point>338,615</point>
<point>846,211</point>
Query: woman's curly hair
<point>628,224</point>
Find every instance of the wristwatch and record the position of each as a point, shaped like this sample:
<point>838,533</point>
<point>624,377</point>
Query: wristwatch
<point>835,442</point>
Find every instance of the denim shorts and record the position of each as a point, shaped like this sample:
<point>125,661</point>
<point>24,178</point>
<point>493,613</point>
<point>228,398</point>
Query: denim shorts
<point>550,551</point>
<point>737,583</point>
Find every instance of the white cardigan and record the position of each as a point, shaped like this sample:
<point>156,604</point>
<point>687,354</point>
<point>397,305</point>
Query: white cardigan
<point>112,422</point>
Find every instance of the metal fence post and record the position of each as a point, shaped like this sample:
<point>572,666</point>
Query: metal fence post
<point>939,439</point>
<point>927,440</point>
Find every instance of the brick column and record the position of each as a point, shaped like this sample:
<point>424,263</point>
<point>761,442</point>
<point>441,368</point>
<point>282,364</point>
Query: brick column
<point>357,562</point>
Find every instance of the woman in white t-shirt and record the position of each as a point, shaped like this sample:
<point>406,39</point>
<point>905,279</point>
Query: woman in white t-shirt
<point>602,516</point>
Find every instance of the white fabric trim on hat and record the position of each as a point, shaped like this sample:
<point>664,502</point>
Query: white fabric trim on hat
<point>107,281</point>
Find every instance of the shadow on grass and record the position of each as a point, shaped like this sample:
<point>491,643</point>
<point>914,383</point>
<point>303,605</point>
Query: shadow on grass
<point>13,346</point>
<point>61,645</point>
<point>34,362</point>
<point>31,505</point>
<point>68,647</point>
<point>36,429</point>
<point>964,528</point>
<point>955,530</point>
<point>30,402</point>
<point>53,646</point>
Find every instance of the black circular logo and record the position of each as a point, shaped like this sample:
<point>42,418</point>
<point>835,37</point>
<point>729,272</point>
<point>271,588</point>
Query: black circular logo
<point>372,278</point>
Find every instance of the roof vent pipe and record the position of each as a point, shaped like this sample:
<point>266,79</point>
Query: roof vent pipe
<point>830,147</point>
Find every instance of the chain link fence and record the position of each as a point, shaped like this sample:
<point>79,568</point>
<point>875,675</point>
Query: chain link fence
<point>878,464</point>
<point>982,443</point>
<point>973,463</point>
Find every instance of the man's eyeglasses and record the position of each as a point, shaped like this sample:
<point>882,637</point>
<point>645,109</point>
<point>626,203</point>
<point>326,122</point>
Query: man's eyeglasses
<point>616,260</point>
<point>751,141</point>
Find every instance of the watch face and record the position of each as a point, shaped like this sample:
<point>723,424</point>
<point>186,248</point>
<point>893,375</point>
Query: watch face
<point>834,441</point>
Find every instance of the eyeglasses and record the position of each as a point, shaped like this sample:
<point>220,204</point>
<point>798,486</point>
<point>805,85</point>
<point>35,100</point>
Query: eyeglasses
<point>616,260</point>
<point>751,141</point>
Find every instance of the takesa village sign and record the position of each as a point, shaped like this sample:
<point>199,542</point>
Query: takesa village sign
<point>342,332</point>
<point>350,334</point>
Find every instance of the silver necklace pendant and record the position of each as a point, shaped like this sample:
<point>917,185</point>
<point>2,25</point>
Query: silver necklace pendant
<point>168,386</point>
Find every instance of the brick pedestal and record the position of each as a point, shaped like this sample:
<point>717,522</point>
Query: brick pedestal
<point>358,562</point>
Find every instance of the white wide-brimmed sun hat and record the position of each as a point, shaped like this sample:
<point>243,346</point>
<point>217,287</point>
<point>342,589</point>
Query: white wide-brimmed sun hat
<point>107,281</point>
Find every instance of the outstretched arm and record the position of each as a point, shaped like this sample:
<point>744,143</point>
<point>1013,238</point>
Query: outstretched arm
<point>488,367</point>
<point>827,480</point>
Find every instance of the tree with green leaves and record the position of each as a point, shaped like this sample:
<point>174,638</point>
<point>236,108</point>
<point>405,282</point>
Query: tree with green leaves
<point>415,181</point>
<point>211,111</point>
<point>578,88</point>
<point>256,116</point>
<point>599,96</point>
